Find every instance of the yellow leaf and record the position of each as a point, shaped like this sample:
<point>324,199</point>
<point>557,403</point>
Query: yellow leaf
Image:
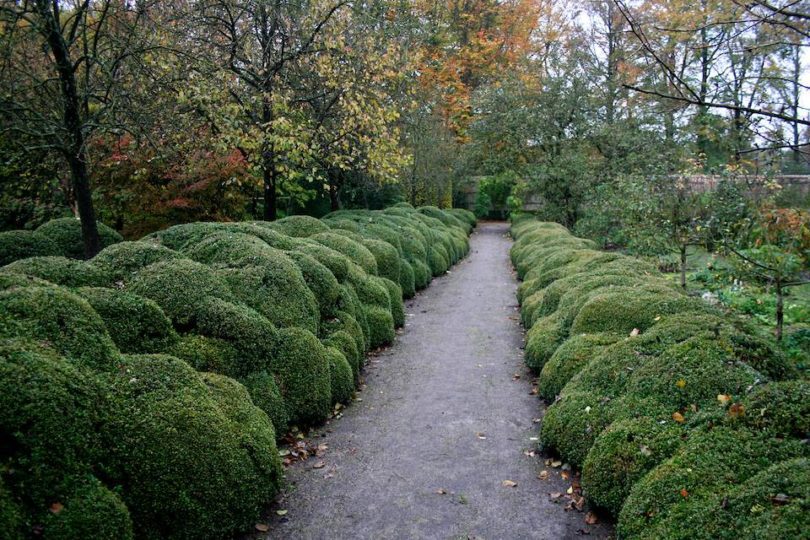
<point>681,383</point>
<point>678,417</point>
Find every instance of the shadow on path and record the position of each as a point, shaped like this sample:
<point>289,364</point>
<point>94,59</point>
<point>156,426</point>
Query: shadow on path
<point>442,411</point>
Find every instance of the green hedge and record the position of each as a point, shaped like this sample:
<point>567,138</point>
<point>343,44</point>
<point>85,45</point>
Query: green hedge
<point>671,407</point>
<point>144,390</point>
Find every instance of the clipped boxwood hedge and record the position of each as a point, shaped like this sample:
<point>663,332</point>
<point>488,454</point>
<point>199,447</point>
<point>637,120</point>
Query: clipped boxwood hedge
<point>672,408</point>
<point>144,390</point>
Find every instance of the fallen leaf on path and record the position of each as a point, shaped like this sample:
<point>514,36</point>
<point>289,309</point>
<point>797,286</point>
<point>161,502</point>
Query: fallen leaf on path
<point>555,495</point>
<point>556,464</point>
<point>564,475</point>
<point>441,491</point>
<point>543,475</point>
<point>591,519</point>
<point>537,420</point>
<point>516,376</point>
<point>262,527</point>
<point>579,503</point>
<point>319,465</point>
<point>529,453</point>
<point>281,512</point>
<point>509,483</point>
<point>481,435</point>
<point>570,490</point>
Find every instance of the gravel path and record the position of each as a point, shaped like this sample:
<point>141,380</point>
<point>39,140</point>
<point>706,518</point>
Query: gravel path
<point>443,421</point>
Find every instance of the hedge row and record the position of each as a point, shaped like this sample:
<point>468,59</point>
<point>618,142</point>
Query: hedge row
<point>142,391</point>
<point>685,421</point>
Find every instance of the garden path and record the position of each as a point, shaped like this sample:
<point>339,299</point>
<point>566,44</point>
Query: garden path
<point>446,417</point>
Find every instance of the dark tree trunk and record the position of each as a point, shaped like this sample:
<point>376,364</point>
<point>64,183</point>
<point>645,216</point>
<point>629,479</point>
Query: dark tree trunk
<point>334,196</point>
<point>780,310</point>
<point>75,152</point>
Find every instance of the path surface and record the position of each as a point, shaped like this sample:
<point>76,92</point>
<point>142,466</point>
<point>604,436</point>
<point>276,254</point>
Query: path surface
<point>441,410</point>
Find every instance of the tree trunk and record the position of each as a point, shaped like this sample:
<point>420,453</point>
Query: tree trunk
<point>780,310</point>
<point>334,195</point>
<point>683,267</point>
<point>76,154</point>
<point>794,106</point>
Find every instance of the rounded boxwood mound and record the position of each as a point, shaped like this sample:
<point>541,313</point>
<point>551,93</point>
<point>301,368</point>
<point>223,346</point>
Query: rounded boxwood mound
<point>251,334</point>
<point>345,343</point>
<point>50,414</point>
<point>205,353</point>
<point>568,360</point>
<point>300,226</point>
<point>397,305</point>
<point>179,287</point>
<point>61,271</point>
<point>303,374</point>
<point>276,289</point>
<point>340,376</point>
<point>123,260</point>
<point>622,454</point>
<point>136,324</point>
<point>407,279</point>
<point>703,471</point>
<point>355,251</point>
<point>380,325</point>
<point>387,258</point>
<point>15,245</point>
<point>89,511</point>
<point>781,409</point>
<point>11,515</point>
<point>178,237</point>
<point>265,394</point>
<point>168,424</point>
<point>231,247</point>
<point>60,318</point>
<point>66,233</point>
<point>320,280</point>
<point>344,322</point>
<point>336,262</point>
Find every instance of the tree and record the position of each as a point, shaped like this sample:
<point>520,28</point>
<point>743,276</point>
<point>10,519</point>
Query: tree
<point>62,71</point>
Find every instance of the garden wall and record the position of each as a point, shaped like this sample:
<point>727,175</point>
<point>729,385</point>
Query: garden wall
<point>685,422</point>
<point>142,391</point>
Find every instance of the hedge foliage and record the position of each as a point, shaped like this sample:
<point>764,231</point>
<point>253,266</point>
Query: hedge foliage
<point>142,392</point>
<point>685,421</point>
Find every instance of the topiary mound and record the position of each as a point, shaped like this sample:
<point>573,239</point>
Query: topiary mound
<point>300,226</point>
<point>205,353</point>
<point>179,287</point>
<point>60,319</point>
<point>568,360</point>
<point>123,260</point>
<point>89,511</point>
<point>355,251</point>
<point>303,374</point>
<point>136,324</point>
<point>320,280</point>
<point>61,271</point>
<point>15,245</point>
<point>265,394</point>
<point>381,326</point>
<point>340,376</point>
<point>276,289</point>
<point>66,234</point>
<point>167,425</point>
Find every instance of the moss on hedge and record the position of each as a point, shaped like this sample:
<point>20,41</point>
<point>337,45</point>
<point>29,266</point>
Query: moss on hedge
<point>66,233</point>
<point>15,245</point>
<point>166,427</point>
<point>123,260</point>
<point>136,324</point>
<point>61,271</point>
<point>340,376</point>
<point>62,319</point>
<point>276,289</point>
<point>622,454</point>
<point>179,287</point>
<point>781,409</point>
<point>265,394</point>
<point>569,359</point>
<point>303,376</point>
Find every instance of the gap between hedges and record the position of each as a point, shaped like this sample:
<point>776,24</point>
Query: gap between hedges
<point>685,421</point>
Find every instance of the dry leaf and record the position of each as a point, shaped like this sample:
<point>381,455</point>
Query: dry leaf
<point>481,435</point>
<point>723,399</point>
<point>441,491</point>
<point>645,450</point>
<point>678,417</point>
<point>543,475</point>
<point>591,519</point>
<point>281,512</point>
<point>684,493</point>
<point>570,490</point>
<point>556,464</point>
<point>564,475</point>
<point>262,527</point>
<point>509,483</point>
<point>56,507</point>
<point>319,465</point>
<point>736,410</point>
<point>635,332</point>
<point>555,495</point>
<point>681,383</point>
<point>579,503</point>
